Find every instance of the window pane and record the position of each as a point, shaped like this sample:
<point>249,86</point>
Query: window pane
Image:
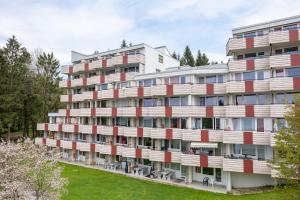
<point>182,79</point>
<point>221,101</point>
<point>249,75</point>
<point>279,73</point>
<point>147,83</point>
<point>175,101</point>
<point>220,78</point>
<point>260,75</point>
<point>280,98</point>
<point>250,99</point>
<point>260,124</point>
<point>239,100</point>
<point>184,101</point>
<point>201,80</point>
<point>210,79</point>
<point>248,149</point>
<point>174,80</point>
<point>238,77</point>
<point>201,101</point>
<point>210,101</point>
<point>248,124</point>
<point>293,72</point>
<point>262,99</point>
<point>208,171</point>
<point>207,123</point>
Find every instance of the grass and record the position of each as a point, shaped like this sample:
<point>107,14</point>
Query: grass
<point>92,184</point>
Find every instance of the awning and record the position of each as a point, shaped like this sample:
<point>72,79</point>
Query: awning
<point>203,145</point>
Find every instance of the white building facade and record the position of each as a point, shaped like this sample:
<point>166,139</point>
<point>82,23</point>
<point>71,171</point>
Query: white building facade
<point>135,106</point>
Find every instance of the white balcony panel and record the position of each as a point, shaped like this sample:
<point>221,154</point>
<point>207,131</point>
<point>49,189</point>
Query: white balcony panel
<point>181,111</point>
<point>272,139</point>
<point>235,111</point>
<point>77,82</point>
<point>107,94</point>
<point>40,126</point>
<point>68,128</point>
<point>176,157</point>
<point>128,92</point>
<point>198,89</point>
<point>66,144</point>
<point>96,64</point>
<point>215,135</point>
<point>215,161</point>
<point>279,37</point>
<point>233,165</point>
<point>262,110</point>
<point>64,98</point>
<point>105,112</point>
<point>83,146</point>
<point>128,152</point>
<point>127,111</point>
<point>146,153</point>
<point>158,133</point>
<point>50,142</point>
<point>279,61</point>
<point>63,84</point>
<point>236,43</point>
<point>93,80</point>
<point>106,130</point>
<point>103,149</point>
<point>61,112</point>
<point>191,135</point>
<point>147,132</point>
<point>38,140</point>
<point>261,167</point>
<point>53,127</point>
<point>197,111</point>
<point>88,129</point>
<point>219,111</point>
<point>281,83</point>
<point>261,85</point>
<point>158,90</point>
<point>78,67</point>
<point>182,89</point>
<point>278,110</point>
<point>158,111</point>
<point>157,156</point>
<point>235,87</point>
<point>190,160</point>
<point>130,131</point>
<point>219,88</point>
<point>261,41</point>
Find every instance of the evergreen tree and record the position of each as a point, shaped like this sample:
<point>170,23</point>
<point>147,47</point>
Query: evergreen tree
<point>174,55</point>
<point>199,58</point>
<point>130,44</point>
<point>205,60</point>
<point>187,58</point>
<point>123,44</point>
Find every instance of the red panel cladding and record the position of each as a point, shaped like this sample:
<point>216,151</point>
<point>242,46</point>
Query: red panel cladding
<point>248,137</point>
<point>209,111</point>
<point>248,166</point>
<point>140,91</point>
<point>138,153</point>
<point>115,130</point>
<point>69,83</point>
<point>114,112</point>
<point>59,127</point>
<point>113,150</point>
<point>123,76</point>
<point>204,136</point>
<point>209,89</point>
<point>70,98</point>
<point>57,143</point>
<point>73,145</point>
<point>168,157</point>
<point>295,60</point>
<point>168,111</point>
<point>293,35</point>
<point>75,128</point>
<point>104,63</point>
<point>249,111</point>
<point>169,134</point>
<point>138,112</point>
<point>93,112</point>
<point>102,79</point>
<point>116,93</point>
<point>169,90</point>
<point>92,148</point>
<point>203,160</point>
<point>68,113</point>
<point>70,69</point>
<point>95,95</point>
<point>46,127</point>
<point>44,141</point>
<point>296,83</point>
<point>249,43</point>
<point>140,132</point>
<point>125,59</point>
<point>249,86</point>
<point>86,67</point>
<point>250,65</point>
<point>84,81</point>
<point>94,129</point>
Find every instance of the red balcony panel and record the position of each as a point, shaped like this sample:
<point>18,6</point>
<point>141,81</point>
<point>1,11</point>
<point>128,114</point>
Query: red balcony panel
<point>70,98</point>
<point>123,76</point>
<point>59,127</point>
<point>169,134</point>
<point>44,141</point>
<point>295,60</point>
<point>68,113</point>
<point>102,79</point>
<point>209,111</point>
<point>104,63</point>
<point>70,69</point>
<point>76,128</point>
<point>114,112</point>
<point>249,43</point>
<point>248,137</point>
<point>296,83</point>
<point>94,129</point>
<point>248,166</point>
<point>86,67</point>
<point>250,65</point>
<point>209,89</point>
<point>73,145</point>
<point>140,132</point>
<point>125,59</point>
<point>116,93</point>
<point>249,111</point>
<point>93,112</point>
<point>168,157</point>
<point>168,111</point>
<point>138,111</point>
<point>293,35</point>
<point>95,95</point>
<point>203,160</point>
<point>69,83</point>
<point>140,91</point>
<point>204,136</point>
<point>115,130</point>
<point>169,90</point>
<point>113,150</point>
<point>57,143</point>
<point>93,148</point>
<point>249,86</point>
<point>46,127</point>
<point>138,153</point>
<point>84,81</point>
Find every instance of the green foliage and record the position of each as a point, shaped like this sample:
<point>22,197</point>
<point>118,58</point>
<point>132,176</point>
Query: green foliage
<point>124,44</point>
<point>187,58</point>
<point>201,59</point>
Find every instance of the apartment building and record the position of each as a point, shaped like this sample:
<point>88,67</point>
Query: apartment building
<point>136,106</point>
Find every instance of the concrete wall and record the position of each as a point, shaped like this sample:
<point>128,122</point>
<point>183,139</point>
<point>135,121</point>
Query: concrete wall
<point>242,180</point>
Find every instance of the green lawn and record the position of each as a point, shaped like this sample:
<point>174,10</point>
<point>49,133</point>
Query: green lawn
<point>90,184</point>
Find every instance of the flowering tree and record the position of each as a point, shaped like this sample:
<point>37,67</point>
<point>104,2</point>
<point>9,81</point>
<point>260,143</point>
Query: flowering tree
<point>28,171</point>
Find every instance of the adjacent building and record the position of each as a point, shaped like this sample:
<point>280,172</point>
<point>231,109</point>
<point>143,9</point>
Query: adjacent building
<point>136,105</point>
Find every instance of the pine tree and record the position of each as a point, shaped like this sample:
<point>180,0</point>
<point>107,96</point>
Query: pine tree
<point>199,58</point>
<point>174,55</point>
<point>130,44</point>
<point>205,60</point>
<point>123,44</point>
<point>187,58</point>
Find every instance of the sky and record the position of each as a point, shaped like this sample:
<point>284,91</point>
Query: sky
<point>60,26</point>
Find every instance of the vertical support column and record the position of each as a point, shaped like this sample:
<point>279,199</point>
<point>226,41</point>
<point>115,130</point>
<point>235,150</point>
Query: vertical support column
<point>228,183</point>
<point>189,176</point>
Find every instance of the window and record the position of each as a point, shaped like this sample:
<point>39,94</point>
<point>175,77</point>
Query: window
<point>208,171</point>
<point>261,53</point>
<point>175,144</point>
<point>291,72</point>
<point>260,124</point>
<point>250,55</point>
<point>279,73</point>
<point>278,51</point>
<point>197,123</point>
<point>220,79</point>
<point>174,80</point>
<point>198,170</point>
<point>183,123</point>
<point>210,101</point>
<point>148,82</point>
<point>220,101</point>
<point>260,75</point>
<point>148,122</point>
<point>248,124</point>
<point>160,59</point>
<point>201,80</point>
<point>249,75</point>
<point>108,72</point>
<point>280,98</point>
<point>290,49</point>
<point>149,102</point>
<point>235,123</point>
<point>217,124</point>
<point>249,35</point>
<point>278,124</point>
<point>175,166</point>
<point>249,149</point>
<point>218,174</point>
<point>239,100</point>
<point>207,123</point>
<point>240,57</point>
<point>104,87</point>
<point>250,99</point>
<point>174,101</point>
<point>238,77</point>
<point>182,80</point>
<point>211,79</point>
<point>261,99</point>
<point>290,27</point>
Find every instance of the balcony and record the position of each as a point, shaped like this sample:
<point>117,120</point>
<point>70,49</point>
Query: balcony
<point>259,63</point>
<point>83,146</point>
<point>247,86</point>
<point>279,110</point>
<point>246,137</point>
<point>66,144</point>
<point>246,166</point>
<point>285,36</point>
<point>283,83</point>
<point>248,111</point>
<point>165,156</point>
<point>237,44</point>
<point>202,135</point>
<point>285,60</point>
<point>201,160</point>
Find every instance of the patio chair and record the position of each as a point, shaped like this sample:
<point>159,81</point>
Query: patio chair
<point>205,181</point>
